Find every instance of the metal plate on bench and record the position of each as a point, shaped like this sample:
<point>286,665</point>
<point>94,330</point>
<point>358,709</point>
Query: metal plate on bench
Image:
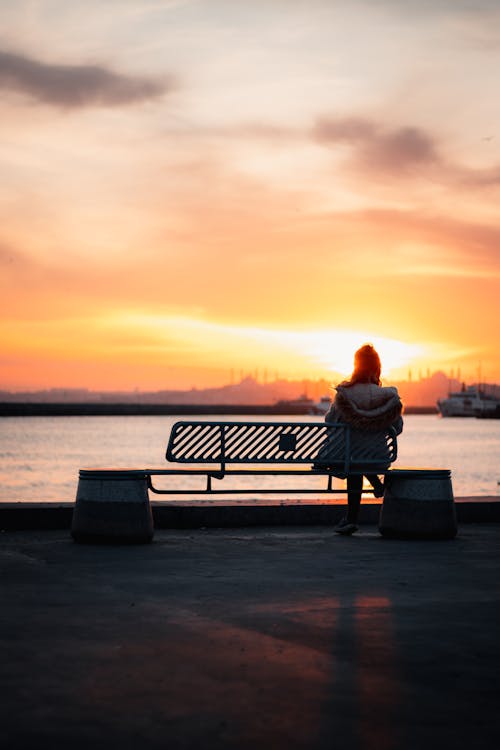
<point>287,442</point>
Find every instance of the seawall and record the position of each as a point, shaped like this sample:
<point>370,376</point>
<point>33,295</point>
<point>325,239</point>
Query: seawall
<point>233,514</point>
<point>101,409</point>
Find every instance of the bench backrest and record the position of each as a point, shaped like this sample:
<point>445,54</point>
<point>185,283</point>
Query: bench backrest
<point>333,445</point>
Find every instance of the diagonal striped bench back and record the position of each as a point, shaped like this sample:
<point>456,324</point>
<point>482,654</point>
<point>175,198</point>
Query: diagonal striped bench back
<point>246,442</point>
<point>372,448</point>
<point>275,442</point>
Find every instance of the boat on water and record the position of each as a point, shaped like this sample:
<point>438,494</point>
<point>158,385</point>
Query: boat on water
<point>469,402</point>
<point>301,405</point>
<point>305,405</point>
<point>321,406</point>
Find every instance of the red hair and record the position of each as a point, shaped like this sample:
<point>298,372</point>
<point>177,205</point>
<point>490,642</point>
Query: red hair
<point>367,366</point>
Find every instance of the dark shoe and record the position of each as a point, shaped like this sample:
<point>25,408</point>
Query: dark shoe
<point>345,527</point>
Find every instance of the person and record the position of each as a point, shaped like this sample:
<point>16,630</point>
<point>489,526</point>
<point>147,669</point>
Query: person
<point>368,407</point>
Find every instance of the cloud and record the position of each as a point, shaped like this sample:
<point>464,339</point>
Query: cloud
<point>405,151</point>
<point>433,245</point>
<point>11,260</point>
<point>377,147</point>
<point>402,148</point>
<point>329,130</point>
<point>74,86</point>
<point>370,148</point>
<point>470,178</point>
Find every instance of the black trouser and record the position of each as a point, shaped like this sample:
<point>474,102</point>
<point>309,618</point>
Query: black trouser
<point>354,487</point>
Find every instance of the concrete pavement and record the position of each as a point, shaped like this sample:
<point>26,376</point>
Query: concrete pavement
<point>268,637</point>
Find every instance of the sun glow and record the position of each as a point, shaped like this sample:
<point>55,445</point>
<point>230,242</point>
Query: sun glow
<point>327,351</point>
<point>129,348</point>
<point>335,349</point>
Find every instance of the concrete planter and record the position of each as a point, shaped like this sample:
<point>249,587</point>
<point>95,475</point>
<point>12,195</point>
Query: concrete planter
<point>112,506</point>
<point>418,504</point>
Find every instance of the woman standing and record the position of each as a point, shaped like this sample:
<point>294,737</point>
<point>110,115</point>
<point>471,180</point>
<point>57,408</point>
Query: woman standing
<point>368,407</point>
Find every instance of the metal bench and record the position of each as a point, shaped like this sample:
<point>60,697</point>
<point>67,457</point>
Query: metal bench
<point>113,504</point>
<point>226,449</point>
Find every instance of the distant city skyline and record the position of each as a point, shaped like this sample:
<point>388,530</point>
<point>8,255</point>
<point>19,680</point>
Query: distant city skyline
<point>249,391</point>
<point>189,187</point>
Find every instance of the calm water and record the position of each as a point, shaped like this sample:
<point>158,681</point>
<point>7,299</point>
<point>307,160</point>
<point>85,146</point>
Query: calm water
<point>40,456</point>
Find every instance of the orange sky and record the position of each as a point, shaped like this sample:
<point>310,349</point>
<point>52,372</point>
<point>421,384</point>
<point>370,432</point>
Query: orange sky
<point>190,188</point>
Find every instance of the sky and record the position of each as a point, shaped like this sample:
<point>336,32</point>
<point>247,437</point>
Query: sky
<point>196,189</point>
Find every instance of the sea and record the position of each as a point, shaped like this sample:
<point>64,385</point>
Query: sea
<point>40,456</point>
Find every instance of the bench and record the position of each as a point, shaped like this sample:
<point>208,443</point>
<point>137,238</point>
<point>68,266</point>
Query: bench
<point>113,504</point>
<point>226,449</point>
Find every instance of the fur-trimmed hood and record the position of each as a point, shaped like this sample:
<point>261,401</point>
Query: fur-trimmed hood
<point>366,406</point>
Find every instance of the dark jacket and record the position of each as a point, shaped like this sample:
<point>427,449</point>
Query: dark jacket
<point>367,407</point>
